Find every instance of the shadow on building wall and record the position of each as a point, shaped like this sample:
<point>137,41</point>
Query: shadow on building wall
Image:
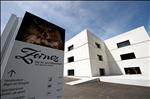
<point>113,66</point>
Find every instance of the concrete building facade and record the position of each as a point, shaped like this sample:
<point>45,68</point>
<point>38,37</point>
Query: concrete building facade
<point>126,54</point>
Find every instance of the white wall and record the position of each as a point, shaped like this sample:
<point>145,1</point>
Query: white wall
<point>135,36</point>
<point>78,40</point>
<point>80,53</point>
<point>9,35</point>
<point>81,64</point>
<point>81,68</point>
<point>140,50</point>
<point>9,30</point>
<point>142,63</point>
<point>94,51</point>
<point>140,43</point>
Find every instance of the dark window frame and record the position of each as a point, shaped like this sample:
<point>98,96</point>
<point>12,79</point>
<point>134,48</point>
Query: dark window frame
<point>127,56</point>
<point>71,47</point>
<point>100,57</point>
<point>70,60</point>
<point>102,71</point>
<point>71,72</point>
<point>123,44</point>
<point>132,70</point>
<point>98,45</point>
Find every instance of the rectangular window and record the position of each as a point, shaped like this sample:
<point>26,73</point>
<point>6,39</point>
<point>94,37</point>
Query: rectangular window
<point>132,70</point>
<point>123,44</point>
<point>71,59</point>
<point>102,71</point>
<point>98,45</point>
<point>71,72</point>
<point>70,48</point>
<point>127,56</point>
<point>100,58</point>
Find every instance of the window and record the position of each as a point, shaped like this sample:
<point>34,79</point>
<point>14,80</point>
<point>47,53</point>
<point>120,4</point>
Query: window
<point>127,56</point>
<point>71,72</point>
<point>98,45</point>
<point>132,70</point>
<point>102,71</point>
<point>123,44</point>
<point>100,58</point>
<point>70,48</point>
<point>70,59</point>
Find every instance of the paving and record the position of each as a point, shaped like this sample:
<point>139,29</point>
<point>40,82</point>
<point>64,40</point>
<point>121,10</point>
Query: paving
<point>103,90</point>
<point>81,81</point>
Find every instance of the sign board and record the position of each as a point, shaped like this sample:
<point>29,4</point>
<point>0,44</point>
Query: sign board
<point>35,66</point>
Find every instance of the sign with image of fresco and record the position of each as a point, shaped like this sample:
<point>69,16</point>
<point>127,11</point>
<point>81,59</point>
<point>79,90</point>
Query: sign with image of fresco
<point>35,67</point>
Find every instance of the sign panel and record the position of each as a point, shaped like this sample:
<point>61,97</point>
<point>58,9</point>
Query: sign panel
<point>35,67</point>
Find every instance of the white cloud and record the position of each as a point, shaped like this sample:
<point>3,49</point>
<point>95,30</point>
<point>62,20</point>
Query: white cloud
<point>74,16</point>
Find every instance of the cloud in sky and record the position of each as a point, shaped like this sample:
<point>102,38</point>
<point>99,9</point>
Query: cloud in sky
<point>104,18</point>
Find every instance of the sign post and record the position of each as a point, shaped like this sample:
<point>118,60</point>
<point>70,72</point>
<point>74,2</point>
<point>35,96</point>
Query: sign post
<point>34,69</point>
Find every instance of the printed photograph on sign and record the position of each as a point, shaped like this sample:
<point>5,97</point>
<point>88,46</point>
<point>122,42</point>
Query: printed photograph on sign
<point>38,31</point>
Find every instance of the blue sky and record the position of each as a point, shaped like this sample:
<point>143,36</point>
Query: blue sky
<point>104,18</point>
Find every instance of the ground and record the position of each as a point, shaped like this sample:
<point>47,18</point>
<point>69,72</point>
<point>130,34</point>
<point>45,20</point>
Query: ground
<point>103,90</point>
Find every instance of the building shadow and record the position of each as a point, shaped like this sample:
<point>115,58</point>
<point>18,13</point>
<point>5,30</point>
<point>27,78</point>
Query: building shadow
<point>113,66</point>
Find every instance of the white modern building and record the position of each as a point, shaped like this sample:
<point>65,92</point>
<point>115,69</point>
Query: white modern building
<point>126,54</point>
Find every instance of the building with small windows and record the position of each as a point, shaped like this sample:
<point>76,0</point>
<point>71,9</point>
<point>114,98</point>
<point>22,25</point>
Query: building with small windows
<point>126,54</point>
<point>85,55</point>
